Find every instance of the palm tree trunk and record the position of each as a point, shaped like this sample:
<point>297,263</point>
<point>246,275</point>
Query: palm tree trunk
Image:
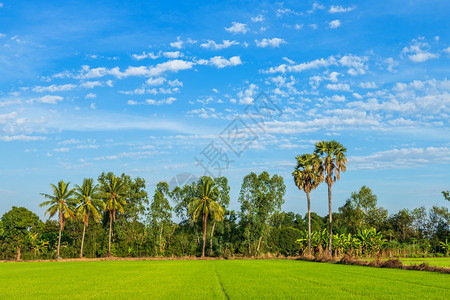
<point>309,224</point>
<point>212,234</point>
<point>110,231</point>
<point>330,240</point>
<point>82,239</point>
<point>59,242</point>
<point>204,234</point>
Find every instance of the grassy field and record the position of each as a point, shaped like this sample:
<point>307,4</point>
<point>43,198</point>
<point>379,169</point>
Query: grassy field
<point>215,279</point>
<point>432,261</point>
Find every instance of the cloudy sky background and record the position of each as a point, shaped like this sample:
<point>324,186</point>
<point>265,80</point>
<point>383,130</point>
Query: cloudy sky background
<point>143,88</point>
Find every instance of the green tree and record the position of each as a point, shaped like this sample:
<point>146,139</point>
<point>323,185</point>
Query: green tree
<point>17,224</point>
<point>333,162</point>
<point>90,205</point>
<point>307,178</point>
<point>62,202</point>
<point>205,205</point>
<point>401,222</point>
<point>260,197</point>
<point>160,213</point>
<point>224,200</point>
<point>446,195</point>
<point>114,192</point>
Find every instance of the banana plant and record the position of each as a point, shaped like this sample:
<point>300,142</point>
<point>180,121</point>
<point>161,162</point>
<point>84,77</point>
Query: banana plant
<point>445,246</point>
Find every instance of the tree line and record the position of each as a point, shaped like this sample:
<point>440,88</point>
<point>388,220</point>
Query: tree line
<point>114,216</point>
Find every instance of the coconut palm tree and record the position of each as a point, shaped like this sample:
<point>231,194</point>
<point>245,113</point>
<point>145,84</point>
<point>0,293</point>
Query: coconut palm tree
<point>205,205</point>
<point>114,191</point>
<point>90,204</point>
<point>332,154</point>
<point>62,202</point>
<point>307,177</point>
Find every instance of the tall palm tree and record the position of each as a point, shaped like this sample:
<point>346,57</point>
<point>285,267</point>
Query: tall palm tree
<point>114,192</point>
<point>205,205</point>
<point>63,202</point>
<point>90,204</point>
<point>307,177</point>
<point>332,154</point>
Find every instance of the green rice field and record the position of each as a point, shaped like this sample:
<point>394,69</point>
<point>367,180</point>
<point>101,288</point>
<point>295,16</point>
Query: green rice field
<point>431,261</point>
<point>215,279</point>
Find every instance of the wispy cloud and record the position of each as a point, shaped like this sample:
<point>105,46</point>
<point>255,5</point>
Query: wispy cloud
<point>218,46</point>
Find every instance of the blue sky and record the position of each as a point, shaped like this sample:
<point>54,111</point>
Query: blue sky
<point>144,88</point>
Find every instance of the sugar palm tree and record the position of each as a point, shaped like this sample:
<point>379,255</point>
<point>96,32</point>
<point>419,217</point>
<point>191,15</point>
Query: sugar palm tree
<point>205,205</point>
<point>114,191</point>
<point>90,204</point>
<point>62,202</point>
<point>333,158</point>
<point>307,177</point>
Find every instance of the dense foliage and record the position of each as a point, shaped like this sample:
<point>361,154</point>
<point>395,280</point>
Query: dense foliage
<point>115,217</point>
<point>146,228</point>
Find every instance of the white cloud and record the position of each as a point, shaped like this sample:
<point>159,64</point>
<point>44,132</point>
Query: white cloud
<point>1,5</point>
<point>169,100</point>
<point>402,158</point>
<point>313,26</point>
<point>48,99</point>
<point>62,149</point>
<point>191,41</point>
<point>69,142</point>
<point>338,98</point>
<point>334,24</point>
<point>368,85</point>
<point>134,155</point>
<point>314,81</point>
<point>298,26</point>
<point>218,46</point>
<point>22,138</point>
<point>419,51</point>
<point>258,18</point>
<point>333,77</point>
<point>338,87</point>
<point>54,88</point>
<point>173,54</point>
<point>204,113</point>
<point>178,44</point>
<point>289,60</point>
<point>221,62</point>
<point>90,96</point>
<point>447,50</point>
<point>156,81</point>
<point>237,28</point>
<point>170,66</point>
<point>146,55</point>
<point>391,64</point>
<point>355,64</point>
<point>91,84</point>
<point>247,96</point>
<point>175,82</point>
<point>422,56</point>
<point>339,9</point>
<point>318,63</point>
<point>274,42</point>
